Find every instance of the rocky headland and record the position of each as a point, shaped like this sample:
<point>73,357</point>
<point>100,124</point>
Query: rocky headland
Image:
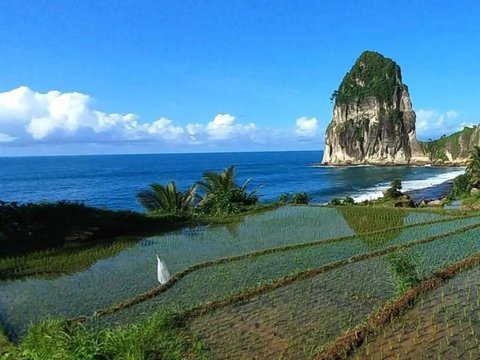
<point>374,123</point>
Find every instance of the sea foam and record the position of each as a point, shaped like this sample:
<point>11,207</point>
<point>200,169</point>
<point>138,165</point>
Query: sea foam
<point>376,191</point>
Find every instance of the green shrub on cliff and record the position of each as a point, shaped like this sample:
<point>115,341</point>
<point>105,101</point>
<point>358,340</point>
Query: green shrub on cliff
<point>372,75</point>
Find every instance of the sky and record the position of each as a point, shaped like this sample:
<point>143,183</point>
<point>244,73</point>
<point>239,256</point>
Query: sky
<point>104,77</point>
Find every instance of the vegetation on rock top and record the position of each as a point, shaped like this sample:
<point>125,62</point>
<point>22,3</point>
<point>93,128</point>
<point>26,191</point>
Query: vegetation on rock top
<point>437,149</point>
<point>372,75</point>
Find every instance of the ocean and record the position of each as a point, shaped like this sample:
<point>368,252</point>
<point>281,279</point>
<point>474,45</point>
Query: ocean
<point>111,181</point>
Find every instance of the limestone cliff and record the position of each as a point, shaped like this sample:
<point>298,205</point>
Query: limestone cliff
<point>373,120</point>
<point>455,148</point>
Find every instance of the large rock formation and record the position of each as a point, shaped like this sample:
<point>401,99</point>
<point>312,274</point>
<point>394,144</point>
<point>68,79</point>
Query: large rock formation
<point>373,120</point>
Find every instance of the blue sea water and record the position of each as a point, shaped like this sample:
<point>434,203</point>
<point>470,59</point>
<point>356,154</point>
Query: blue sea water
<point>111,181</point>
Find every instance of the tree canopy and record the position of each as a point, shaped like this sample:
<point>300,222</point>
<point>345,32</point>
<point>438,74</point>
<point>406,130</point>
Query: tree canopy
<point>372,75</point>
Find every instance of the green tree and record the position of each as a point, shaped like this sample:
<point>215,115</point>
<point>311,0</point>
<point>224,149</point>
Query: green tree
<point>283,198</point>
<point>348,201</point>
<point>167,199</point>
<point>222,195</point>
<point>300,198</point>
<point>394,190</point>
<point>473,167</point>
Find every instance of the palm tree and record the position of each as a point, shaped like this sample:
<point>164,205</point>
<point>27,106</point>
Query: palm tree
<point>167,199</point>
<point>214,183</point>
<point>473,166</point>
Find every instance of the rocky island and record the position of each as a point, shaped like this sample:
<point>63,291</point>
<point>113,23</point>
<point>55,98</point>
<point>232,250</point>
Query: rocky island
<point>373,120</point>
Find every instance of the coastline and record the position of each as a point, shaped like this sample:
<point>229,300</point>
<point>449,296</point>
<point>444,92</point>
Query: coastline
<point>431,188</point>
<point>432,165</point>
<point>434,192</point>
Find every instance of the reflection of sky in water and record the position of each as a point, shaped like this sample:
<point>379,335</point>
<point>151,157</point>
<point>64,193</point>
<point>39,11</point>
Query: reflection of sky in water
<point>134,270</point>
<point>416,217</point>
<point>203,285</point>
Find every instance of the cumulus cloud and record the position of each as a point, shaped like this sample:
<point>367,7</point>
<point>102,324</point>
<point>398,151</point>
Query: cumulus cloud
<point>41,115</point>
<point>306,128</point>
<point>29,117</point>
<point>433,123</point>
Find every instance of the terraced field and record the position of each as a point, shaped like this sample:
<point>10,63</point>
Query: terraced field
<point>444,324</point>
<point>293,321</point>
<point>283,284</point>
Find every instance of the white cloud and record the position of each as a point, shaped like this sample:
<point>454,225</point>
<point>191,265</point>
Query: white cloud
<point>44,114</point>
<point>223,127</point>
<point>306,127</point>
<point>5,138</point>
<point>28,117</point>
<point>433,123</point>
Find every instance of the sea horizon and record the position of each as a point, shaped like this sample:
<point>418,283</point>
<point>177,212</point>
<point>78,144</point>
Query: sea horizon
<point>159,153</point>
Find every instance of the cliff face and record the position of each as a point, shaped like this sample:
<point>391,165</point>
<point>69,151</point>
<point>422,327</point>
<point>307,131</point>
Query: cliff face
<point>453,149</point>
<point>373,120</point>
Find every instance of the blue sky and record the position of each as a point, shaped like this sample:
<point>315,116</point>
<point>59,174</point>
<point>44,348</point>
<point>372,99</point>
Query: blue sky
<point>81,77</point>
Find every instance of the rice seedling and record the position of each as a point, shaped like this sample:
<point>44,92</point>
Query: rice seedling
<point>263,250</point>
<point>452,336</point>
<point>136,273</point>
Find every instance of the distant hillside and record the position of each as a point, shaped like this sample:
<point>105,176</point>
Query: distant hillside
<point>454,148</point>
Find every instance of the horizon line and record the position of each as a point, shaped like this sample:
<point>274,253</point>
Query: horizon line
<point>161,153</point>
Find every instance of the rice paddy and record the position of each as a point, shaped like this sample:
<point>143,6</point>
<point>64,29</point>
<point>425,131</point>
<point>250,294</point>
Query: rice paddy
<point>281,284</point>
<point>444,324</point>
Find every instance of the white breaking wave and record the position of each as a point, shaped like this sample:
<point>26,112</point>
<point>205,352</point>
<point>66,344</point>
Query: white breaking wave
<point>408,185</point>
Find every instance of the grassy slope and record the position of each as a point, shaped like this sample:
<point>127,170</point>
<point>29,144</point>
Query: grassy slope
<point>159,337</point>
<point>437,148</point>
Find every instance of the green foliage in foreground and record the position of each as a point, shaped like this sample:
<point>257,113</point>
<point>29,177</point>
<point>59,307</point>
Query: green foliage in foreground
<point>222,195</point>
<point>348,200</point>
<point>473,167</point>
<point>394,190</point>
<point>158,337</point>
<point>167,199</point>
<point>403,267</point>
<point>300,198</point>
<point>284,198</point>
<point>461,185</point>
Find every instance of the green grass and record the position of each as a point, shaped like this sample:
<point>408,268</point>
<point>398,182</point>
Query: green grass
<point>159,337</point>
